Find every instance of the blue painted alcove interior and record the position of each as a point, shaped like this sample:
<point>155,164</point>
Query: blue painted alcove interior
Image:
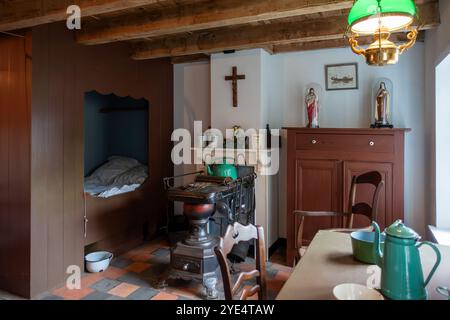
<point>117,133</point>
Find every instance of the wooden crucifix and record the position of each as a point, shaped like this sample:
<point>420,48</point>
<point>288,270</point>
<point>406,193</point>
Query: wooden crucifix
<point>234,78</point>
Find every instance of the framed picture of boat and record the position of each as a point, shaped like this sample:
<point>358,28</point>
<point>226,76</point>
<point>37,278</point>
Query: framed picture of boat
<point>341,76</point>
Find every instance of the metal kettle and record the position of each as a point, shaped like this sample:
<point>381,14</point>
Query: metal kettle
<point>401,269</point>
<point>222,170</point>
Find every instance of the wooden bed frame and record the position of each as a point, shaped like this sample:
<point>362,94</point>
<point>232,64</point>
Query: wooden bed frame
<point>117,223</point>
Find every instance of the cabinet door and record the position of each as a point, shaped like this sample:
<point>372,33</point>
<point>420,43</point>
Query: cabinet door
<point>364,192</point>
<point>318,188</point>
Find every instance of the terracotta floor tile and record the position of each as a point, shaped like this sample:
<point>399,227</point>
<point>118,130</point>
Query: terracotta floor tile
<point>123,290</point>
<point>141,257</point>
<point>165,296</point>
<point>138,267</point>
<point>90,278</point>
<point>114,273</point>
<point>72,294</point>
<point>189,293</point>
<point>131,253</point>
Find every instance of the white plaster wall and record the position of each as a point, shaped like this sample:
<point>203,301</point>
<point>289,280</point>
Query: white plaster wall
<point>437,43</point>
<point>283,79</point>
<point>192,102</point>
<point>248,114</point>
<point>351,108</point>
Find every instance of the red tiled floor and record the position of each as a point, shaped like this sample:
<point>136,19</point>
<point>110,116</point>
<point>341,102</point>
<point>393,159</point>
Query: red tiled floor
<point>131,253</point>
<point>190,292</point>
<point>90,278</point>
<point>114,273</point>
<point>141,257</point>
<point>165,296</point>
<point>72,294</point>
<point>276,277</point>
<point>138,267</point>
<point>123,290</point>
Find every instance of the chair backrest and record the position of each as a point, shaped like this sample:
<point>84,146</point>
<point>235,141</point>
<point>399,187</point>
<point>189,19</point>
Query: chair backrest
<point>369,210</point>
<point>236,233</point>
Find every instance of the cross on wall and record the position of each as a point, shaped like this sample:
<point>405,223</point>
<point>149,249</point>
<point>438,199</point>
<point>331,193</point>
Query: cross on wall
<point>234,81</point>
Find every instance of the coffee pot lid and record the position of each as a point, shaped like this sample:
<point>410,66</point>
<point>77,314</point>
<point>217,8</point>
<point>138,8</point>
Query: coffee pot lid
<point>399,230</point>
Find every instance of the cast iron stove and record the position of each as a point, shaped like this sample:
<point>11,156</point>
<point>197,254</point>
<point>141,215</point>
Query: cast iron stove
<point>193,258</point>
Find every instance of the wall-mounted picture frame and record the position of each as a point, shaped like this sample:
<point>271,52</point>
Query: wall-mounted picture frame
<point>341,76</point>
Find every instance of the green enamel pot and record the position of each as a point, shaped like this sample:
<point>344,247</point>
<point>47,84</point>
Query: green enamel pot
<point>362,245</point>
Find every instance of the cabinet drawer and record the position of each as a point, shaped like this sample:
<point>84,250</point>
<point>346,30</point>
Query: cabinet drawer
<point>345,142</point>
<point>186,264</point>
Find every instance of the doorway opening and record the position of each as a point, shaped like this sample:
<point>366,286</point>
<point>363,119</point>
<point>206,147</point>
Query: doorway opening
<point>443,144</point>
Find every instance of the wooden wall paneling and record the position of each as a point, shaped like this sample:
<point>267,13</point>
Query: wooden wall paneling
<point>73,156</point>
<point>40,165</point>
<point>15,164</point>
<point>63,72</point>
<point>55,159</point>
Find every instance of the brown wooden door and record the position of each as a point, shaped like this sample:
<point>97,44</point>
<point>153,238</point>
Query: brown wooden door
<point>318,188</point>
<point>364,193</point>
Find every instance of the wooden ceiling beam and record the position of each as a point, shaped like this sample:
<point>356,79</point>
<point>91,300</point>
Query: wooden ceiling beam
<point>247,37</point>
<point>336,43</point>
<point>199,16</point>
<point>190,59</point>
<point>18,14</point>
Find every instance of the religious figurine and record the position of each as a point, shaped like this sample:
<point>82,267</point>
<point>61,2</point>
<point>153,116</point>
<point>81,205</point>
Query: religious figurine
<point>382,107</point>
<point>312,108</point>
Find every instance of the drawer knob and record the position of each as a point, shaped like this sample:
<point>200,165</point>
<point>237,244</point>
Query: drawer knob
<point>313,141</point>
<point>371,143</point>
<point>186,267</point>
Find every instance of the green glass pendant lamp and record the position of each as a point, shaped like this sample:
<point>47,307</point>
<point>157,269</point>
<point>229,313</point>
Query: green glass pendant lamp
<point>380,18</point>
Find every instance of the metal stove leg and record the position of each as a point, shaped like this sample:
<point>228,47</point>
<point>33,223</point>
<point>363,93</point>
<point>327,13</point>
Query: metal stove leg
<point>209,288</point>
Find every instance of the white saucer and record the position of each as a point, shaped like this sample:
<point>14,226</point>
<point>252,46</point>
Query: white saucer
<point>353,291</point>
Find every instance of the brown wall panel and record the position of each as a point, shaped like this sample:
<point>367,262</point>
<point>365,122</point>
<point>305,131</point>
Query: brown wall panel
<point>62,72</point>
<point>15,76</point>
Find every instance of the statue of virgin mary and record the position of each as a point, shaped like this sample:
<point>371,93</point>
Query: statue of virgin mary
<point>312,108</point>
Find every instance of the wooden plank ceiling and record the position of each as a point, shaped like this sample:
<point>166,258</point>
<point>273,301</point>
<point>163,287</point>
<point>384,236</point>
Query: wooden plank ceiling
<point>197,28</point>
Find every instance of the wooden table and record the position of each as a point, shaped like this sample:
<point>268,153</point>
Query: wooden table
<point>329,262</point>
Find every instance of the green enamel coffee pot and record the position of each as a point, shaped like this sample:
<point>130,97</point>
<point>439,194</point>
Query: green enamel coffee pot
<point>401,270</point>
<point>222,169</point>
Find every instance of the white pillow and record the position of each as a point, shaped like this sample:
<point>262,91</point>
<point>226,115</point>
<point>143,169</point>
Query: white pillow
<point>114,167</point>
<point>136,175</point>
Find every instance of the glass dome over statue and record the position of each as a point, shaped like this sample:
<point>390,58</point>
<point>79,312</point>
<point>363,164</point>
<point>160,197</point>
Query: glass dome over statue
<point>382,104</point>
<point>313,96</point>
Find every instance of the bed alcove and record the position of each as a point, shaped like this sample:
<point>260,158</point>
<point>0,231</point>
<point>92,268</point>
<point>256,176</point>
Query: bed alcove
<point>116,143</point>
<point>43,207</point>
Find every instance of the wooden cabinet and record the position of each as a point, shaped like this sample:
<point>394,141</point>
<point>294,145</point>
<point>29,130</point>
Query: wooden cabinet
<point>318,168</point>
<point>317,188</point>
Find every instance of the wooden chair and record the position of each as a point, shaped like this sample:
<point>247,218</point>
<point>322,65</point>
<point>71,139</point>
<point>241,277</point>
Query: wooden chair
<point>236,233</point>
<point>374,178</point>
